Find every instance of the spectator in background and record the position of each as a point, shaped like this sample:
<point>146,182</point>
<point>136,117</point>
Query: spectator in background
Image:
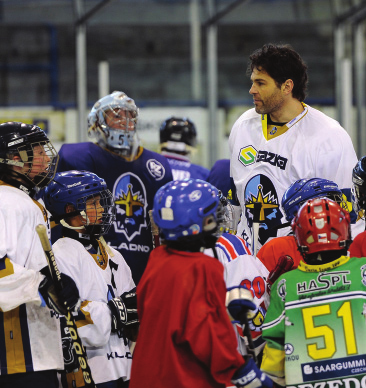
<point>178,139</point>
<point>132,173</point>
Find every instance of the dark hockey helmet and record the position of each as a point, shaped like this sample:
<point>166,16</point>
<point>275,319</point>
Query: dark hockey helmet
<point>26,154</point>
<point>359,186</point>
<point>120,136</point>
<point>178,134</point>
<point>187,209</point>
<point>304,189</point>
<point>79,189</point>
<point>321,225</point>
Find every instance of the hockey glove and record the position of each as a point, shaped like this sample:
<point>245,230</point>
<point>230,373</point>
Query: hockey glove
<point>284,264</point>
<point>238,301</point>
<point>124,310</point>
<point>60,301</point>
<point>250,376</point>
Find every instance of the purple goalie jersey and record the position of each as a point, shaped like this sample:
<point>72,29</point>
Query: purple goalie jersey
<point>133,185</point>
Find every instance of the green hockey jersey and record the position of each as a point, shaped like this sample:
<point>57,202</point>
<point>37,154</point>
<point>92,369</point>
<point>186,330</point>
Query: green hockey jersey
<point>315,326</point>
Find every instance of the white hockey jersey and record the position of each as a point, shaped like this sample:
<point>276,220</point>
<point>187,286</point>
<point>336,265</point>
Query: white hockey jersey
<point>314,145</point>
<point>30,337</point>
<point>98,277</point>
<point>248,271</point>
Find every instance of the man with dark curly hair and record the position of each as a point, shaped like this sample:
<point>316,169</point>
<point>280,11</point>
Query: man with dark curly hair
<point>280,141</point>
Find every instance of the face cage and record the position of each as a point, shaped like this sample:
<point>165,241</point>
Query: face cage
<point>108,215</point>
<point>121,140</point>
<point>358,201</point>
<point>42,179</point>
<point>219,219</point>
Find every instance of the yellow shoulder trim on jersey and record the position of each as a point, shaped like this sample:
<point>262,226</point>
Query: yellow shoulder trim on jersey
<point>324,267</point>
<point>86,319</point>
<point>6,267</point>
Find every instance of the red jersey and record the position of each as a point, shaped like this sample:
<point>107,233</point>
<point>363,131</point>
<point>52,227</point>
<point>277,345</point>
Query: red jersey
<point>185,339</point>
<point>273,249</point>
<point>358,246</point>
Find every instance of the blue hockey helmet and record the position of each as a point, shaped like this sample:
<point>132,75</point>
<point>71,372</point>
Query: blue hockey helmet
<point>112,121</point>
<point>187,208</point>
<point>303,189</point>
<point>76,188</point>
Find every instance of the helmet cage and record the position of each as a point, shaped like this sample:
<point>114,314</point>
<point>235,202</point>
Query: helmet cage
<point>121,140</point>
<point>25,151</point>
<point>107,218</point>
<point>359,187</point>
<point>76,188</point>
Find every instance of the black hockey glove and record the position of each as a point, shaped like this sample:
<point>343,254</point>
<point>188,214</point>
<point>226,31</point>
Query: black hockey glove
<point>124,310</point>
<point>58,300</point>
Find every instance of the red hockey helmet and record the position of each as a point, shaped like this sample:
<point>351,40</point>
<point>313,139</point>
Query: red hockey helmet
<point>321,225</point>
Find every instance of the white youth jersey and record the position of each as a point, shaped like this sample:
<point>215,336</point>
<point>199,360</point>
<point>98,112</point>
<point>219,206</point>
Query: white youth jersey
<point>98,278</point>
<point>249,271</point>
<point>314,145</point>
<point>30,338</point>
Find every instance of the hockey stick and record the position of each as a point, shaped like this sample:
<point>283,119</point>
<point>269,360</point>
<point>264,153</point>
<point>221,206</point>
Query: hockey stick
<point>70,321</point>
<point>246,331</point>
<point>154,231</point>
<point>257,207</point>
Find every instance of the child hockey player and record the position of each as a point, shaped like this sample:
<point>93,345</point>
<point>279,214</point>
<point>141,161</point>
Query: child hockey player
<point>186,338</point>
<point>315,324</point>
<point>84,206</point>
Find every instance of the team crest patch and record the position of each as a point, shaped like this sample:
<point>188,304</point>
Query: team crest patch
<point>156,169</point>
<point>363,274</point>
<point>273,131</point>
<point>130,198</point>
<point>247,155</point>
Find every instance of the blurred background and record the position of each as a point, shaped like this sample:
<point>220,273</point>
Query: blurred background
<point>173,57</point>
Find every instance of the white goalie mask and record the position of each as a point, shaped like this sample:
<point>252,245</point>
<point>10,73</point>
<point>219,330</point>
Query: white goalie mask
<point>112,121</point>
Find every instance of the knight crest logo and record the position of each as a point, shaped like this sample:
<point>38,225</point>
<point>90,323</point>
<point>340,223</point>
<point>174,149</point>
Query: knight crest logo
<point>130,199</point>
<point>260,189</point>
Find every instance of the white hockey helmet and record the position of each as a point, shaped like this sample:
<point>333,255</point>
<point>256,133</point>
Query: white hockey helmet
<point>112,128</point>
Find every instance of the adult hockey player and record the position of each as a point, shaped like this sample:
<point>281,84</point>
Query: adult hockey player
<point>315,323</point>
<point>296,195</point>
<point>132,173</point>
<point>181,299</point>
<point>178,139</point>
<point>281,140</point>
<point>30,340</point>
<point>82,203</point>
<point>358,246</point>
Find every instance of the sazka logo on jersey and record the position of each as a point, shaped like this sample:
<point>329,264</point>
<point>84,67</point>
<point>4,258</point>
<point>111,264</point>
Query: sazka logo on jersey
<point>130,199</point>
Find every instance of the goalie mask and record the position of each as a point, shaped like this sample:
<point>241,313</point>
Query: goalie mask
<point>26,155</point>
<point>112,121</point>
<point>304,189</point>
<point>359,187</point>
<point>187,211</point>
<point>178,135</point>
<point>85,191</point>
<point>321,225</point>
